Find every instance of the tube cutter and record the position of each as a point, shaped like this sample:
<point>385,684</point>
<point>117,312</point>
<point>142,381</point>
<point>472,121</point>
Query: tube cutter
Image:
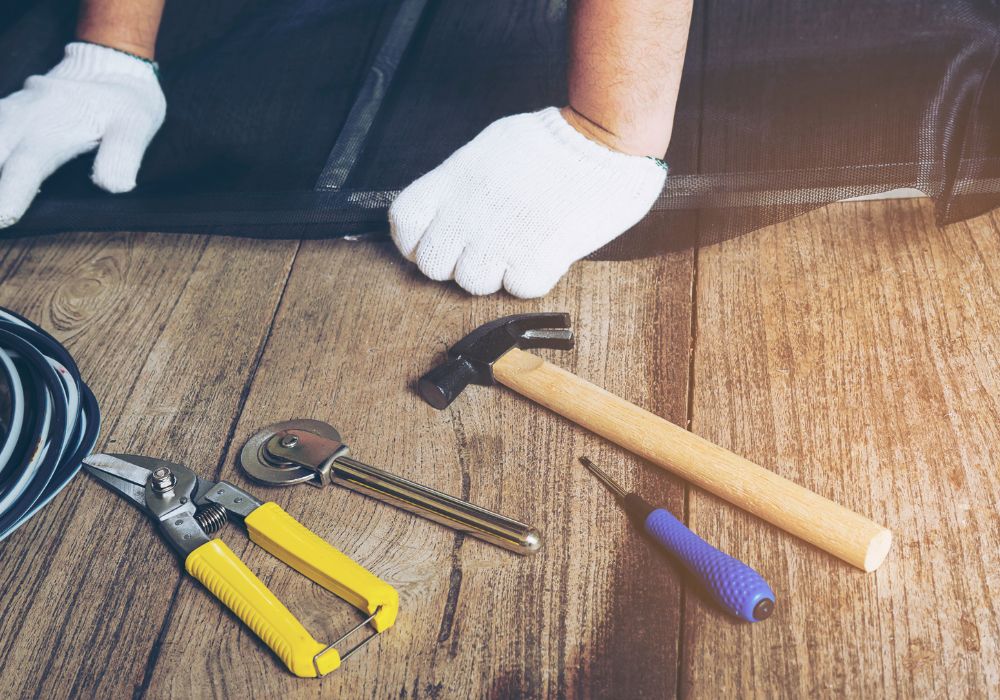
<point>311,451</point>
<point>190,509</point>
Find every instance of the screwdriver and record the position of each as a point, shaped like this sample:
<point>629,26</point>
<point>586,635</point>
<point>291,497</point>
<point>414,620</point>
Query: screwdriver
<point>736,587</point>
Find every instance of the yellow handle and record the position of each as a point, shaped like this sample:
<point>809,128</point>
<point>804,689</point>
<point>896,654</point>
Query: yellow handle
<point>229,580</point>
<point>291,542</point>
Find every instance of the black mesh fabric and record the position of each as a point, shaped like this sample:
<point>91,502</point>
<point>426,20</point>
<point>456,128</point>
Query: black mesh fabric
<point>303,118</point>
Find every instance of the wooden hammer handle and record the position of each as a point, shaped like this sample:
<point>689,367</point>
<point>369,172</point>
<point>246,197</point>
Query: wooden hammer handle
<point>795,509</point>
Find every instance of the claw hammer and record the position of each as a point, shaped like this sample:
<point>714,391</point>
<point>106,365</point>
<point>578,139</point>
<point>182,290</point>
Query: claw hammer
<point>495,352</point>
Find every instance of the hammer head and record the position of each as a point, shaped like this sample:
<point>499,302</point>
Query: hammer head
<point>470,360</point>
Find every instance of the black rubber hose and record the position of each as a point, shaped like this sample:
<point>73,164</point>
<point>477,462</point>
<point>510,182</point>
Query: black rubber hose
<point>49,419</point>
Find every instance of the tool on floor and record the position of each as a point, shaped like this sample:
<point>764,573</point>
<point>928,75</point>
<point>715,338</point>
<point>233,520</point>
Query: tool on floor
<point>740,590</point>
<point>311,451</point>
<point>492,353</point>
<point>190,509</point>
<point>49,419</point>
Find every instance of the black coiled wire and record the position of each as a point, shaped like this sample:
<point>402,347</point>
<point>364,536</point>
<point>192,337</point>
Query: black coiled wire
<point>49,419</point>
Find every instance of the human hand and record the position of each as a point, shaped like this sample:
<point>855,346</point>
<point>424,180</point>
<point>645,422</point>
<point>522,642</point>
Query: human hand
<point>521,202</point>
<point>96,97</point>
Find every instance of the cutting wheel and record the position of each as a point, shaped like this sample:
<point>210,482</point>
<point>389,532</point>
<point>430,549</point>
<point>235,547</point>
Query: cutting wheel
<point>260,466</point>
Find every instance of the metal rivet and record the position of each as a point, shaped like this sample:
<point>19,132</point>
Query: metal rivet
<point>162,480</point>
<point>238,499</point>
<point>289,441</point>
<point>178,522</point>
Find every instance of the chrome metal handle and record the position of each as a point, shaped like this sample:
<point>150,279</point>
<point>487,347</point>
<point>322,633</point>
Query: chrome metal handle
<point>291,453</point>
<point>434,505</point>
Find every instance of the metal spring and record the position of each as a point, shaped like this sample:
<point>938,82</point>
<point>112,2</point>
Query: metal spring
<point>211,518</point>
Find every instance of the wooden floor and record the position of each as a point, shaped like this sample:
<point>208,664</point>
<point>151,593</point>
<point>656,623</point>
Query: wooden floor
<point>855,350</point>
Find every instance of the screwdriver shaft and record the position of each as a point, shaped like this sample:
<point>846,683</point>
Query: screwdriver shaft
<point>604,477</point>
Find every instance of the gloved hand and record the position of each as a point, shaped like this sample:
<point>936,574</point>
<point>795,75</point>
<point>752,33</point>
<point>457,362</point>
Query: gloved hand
<point>95,95</point>
<point>520,203</point>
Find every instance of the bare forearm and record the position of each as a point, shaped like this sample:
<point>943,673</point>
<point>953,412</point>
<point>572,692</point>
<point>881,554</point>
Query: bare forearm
<point>129,25</point>
<point>626,59</point>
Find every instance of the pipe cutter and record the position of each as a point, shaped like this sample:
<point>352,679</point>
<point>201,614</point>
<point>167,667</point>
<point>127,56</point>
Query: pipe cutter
<point>312,452</point>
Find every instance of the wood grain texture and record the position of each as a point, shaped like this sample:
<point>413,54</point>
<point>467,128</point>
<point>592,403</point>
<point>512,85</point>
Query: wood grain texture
<point>783,503</point>
<point>856,350</point>
<point>167,348</point>
<point>355,329</point>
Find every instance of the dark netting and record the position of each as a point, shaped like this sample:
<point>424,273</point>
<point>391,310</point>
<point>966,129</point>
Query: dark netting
<point>305,117</point>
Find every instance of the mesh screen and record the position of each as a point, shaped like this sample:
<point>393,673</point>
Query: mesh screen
<point>303,118</point>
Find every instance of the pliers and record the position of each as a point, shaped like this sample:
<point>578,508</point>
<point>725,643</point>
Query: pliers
<point>190,509</point>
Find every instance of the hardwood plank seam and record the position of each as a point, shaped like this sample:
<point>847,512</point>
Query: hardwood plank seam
<point>17,621</point>
<point>689,411</point>
<point>454,589</point>
<point>93,641</point>
<point>93,644</point>
<point>159,333</point>
<point>135,380</point>
<point>16,265</point>
<point>69,608</point>
<point>455,575</point>
<point>67,616</point>
<point>255,365</point>
<point>974,242</point>
<point>154,652</point>
<point>692,342</point>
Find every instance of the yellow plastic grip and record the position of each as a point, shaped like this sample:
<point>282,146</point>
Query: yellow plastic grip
<point>229,580</point>
<point>291,542</point>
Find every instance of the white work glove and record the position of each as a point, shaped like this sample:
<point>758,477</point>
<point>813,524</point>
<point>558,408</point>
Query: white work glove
<point>95,95</point>
<point>519,204</point>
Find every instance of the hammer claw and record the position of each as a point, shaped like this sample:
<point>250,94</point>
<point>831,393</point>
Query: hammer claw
<point>527,322</point>
<point>555,339</point>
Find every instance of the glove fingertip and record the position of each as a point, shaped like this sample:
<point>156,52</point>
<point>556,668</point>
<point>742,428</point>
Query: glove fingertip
<point>19,183</point>
<point>405,241</point>
<point>438,254</point>
<point>479,274</point>
<point>525,283</point>
<point>115,183</point>
<point>119,157</point>
<point>407,226</point>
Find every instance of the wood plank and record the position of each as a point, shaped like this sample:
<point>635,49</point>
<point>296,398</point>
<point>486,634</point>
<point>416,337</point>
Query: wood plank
<point>856,350</point>
<point>355,328</point>
<point>167,330</point>
<point>11,254</point>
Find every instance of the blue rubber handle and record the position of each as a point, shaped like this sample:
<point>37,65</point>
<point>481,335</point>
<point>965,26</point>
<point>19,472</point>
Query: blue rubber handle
<point>734,585</point>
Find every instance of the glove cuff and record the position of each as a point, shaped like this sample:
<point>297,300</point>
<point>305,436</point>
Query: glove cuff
<point>653,169</point>
<point>86,61</point>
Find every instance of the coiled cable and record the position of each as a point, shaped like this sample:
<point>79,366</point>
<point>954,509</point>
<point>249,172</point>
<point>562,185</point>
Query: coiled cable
<point>49,419</point>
